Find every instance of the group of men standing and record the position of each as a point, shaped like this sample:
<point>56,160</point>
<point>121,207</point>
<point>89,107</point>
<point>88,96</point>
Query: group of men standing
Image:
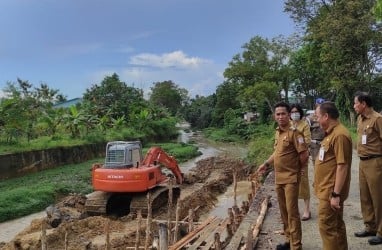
<point>332,172</point>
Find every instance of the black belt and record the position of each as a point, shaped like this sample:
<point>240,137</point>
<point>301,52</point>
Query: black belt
<point>364,158</point>
<point>316,141</point>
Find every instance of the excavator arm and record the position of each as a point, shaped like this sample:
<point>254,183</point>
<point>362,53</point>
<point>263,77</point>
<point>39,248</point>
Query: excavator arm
<point>157,155</point>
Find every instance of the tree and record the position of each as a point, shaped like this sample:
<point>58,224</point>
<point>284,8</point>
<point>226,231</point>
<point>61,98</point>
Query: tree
<point>378,10</point>
<point>348,40</point>
<point>23,106</point>
<point>168,95</point>
<point>308,74</point>
<point>113,97</point>
<point>199,111</point>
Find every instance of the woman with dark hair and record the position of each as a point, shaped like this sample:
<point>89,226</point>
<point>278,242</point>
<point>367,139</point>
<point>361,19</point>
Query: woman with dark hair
<point>302,126</point>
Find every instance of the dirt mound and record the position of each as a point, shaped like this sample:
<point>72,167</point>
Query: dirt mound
<point>210,177</point>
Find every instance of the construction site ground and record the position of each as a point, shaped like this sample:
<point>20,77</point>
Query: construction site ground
<point>210,178</point>
<point>206,181</point>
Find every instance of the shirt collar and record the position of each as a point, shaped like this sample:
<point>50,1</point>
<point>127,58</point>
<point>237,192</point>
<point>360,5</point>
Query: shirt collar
<point>368,113</point>
<point>332,125</point>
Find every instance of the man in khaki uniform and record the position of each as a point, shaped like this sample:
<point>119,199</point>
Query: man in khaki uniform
<point>369,149</point>
<point>290,155</point>
<point>332,177</point>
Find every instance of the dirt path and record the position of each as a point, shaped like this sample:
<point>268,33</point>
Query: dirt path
<point>270,235</point>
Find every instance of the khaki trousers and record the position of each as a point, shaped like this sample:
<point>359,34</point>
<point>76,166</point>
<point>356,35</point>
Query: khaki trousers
<point>370,185</point>
<point>332,226</point>
<point>287,195</point>
<point>304,189</point>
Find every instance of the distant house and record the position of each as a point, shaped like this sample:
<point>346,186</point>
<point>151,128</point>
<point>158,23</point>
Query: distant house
<point>68,103</point>
<point>250,116</point>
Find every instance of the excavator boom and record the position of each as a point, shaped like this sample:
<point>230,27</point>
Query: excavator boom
<point>156,154</point>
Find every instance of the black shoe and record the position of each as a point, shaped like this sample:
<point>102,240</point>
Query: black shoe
<point>364,233</point>
<point>284,246</point>
<point>376,240</point>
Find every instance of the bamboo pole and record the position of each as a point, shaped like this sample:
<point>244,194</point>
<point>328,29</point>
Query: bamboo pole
<point>260,219</point>
<point>149,218</point>
<point>139,223</point>
<point>190,220</point>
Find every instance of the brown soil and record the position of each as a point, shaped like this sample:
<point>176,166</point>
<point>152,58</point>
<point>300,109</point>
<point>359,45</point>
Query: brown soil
<point>209,178</point>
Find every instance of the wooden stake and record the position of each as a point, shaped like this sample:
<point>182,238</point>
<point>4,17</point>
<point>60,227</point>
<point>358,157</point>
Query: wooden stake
<point>66,240</point>
<point>163,237</point>
<point>218,244</point>
<point>170,196</point>
<point>149,217</point>
<point>43,235</point>
<point>177,212</point>
<point>139,223</point>
<point>234,174</point>
<point>107,233</point>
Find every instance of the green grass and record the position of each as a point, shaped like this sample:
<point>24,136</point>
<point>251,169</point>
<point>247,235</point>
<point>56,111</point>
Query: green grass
<point>221,134</point>
<point>34,192</point>
<point>261,144</point>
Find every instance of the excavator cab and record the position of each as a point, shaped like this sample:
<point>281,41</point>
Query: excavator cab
<point>121,154</point>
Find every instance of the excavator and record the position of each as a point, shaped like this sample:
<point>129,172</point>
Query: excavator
<point>121,184</point>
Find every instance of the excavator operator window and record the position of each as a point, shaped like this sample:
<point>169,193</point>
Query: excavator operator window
<point>116,156</point>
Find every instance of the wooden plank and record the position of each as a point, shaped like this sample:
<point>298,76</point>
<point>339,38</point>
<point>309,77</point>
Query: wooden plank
<point>205,233</point>
<point>220,230</point>
<point>190,236</point>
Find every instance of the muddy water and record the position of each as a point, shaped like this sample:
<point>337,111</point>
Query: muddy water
<point>9,229</point>
<point>226,200</point>
<point>209,149</point>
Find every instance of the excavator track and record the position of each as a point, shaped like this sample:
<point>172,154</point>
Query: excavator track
<point>158,196</point>
<point>96,202</point>
<point>120,204</point>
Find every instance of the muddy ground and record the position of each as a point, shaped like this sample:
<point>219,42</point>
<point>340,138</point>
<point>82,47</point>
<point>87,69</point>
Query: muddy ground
<point>208,179</point>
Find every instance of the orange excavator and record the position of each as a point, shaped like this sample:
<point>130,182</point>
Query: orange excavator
<point>121,184</point>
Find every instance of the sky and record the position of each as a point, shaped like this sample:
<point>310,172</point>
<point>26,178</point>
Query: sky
<point>71,45</point>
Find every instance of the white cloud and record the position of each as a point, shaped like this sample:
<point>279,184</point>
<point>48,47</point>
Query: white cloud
<point>198,76</point>
<point>176,59</point>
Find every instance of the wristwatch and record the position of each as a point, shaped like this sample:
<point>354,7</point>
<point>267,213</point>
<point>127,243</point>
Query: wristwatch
<point>335,195</point>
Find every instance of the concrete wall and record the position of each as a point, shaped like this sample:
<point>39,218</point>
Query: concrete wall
<point>14,165</point>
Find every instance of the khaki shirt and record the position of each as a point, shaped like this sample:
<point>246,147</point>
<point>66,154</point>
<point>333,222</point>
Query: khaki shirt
<point>304,128</point>
<point>288,146</point>
<point>371,126</point>
<point>337,146</point>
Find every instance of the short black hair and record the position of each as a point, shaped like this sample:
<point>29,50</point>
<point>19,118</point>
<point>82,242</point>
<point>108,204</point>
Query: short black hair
<point>329,108</point>
<point>299,109</point>
<point>364,97</point>
<point>283,104</point>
